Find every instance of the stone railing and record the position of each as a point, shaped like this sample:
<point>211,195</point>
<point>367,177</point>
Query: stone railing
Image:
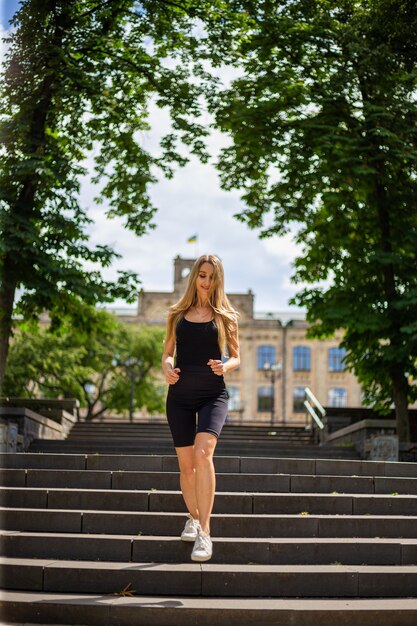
<point>373,436</point>
<point>22,420</point>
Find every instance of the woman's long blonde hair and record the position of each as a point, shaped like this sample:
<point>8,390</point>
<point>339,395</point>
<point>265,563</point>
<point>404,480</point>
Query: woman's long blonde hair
<point>225,316</point>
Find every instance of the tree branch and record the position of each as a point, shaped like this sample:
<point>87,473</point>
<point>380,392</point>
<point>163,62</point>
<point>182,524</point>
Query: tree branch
<point>174,4</point>
<point>98,6</point>
<point>139,69</point>
<point>100,412</point>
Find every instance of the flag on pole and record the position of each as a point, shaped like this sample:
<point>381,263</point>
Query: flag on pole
<point>192,239</point>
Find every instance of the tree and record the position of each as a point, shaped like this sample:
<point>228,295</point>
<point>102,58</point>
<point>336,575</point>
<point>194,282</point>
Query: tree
<point>78,80</point>
<point>323,123</point>
<point>138,358</point>
<point>89,363</point>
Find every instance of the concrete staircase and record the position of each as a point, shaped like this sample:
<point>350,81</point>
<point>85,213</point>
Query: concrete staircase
<point>296,541</point>
<point>145,438</point>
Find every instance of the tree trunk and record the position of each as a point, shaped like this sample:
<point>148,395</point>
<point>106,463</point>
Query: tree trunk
<point>399,381</point>
<point>98,413</point>
<point>400,393</point>
<point>7,294</point>
<point>400,384</point>
<point>16,268</point>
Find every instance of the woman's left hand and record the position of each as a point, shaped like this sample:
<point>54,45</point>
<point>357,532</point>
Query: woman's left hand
<point>217,367</point>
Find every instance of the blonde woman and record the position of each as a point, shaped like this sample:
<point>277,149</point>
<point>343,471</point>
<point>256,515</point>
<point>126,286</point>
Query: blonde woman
<point>201,327</point>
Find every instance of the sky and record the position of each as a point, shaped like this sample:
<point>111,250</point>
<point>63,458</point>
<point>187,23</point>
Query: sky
<point>193,204</point>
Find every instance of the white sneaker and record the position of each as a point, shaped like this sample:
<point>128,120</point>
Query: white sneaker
<point>203,548</point>
<point>191,528</point>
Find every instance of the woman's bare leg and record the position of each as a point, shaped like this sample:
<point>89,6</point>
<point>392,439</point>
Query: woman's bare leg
<point>205,478</point>
<point>188,478</point>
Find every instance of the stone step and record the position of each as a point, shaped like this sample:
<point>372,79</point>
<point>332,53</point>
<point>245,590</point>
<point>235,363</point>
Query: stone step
<point>222,525</point>
<point>223,464</point>
<point>161,430</point>
<point>302,453</point>
<point>152,421</point>
<point>283,528</point>
<point>116,437</point>
<point>162,427</point>
<point>126,437</point>
<point>210,580</point>
<point>141,610</point>
<point>240,435</point>
<point>262,483</point>
<point>155,438</point>
<point>151,446</point>
<point>225,502</point>
<point>163,549</point>
<point>134,446</point>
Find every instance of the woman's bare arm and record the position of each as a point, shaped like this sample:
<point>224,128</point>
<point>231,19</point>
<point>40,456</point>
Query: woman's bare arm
<point>171,373</point>
<point>234,352</point>
<point>233,361</point>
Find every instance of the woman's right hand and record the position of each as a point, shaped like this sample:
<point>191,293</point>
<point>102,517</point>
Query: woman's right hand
<point>172,375</point>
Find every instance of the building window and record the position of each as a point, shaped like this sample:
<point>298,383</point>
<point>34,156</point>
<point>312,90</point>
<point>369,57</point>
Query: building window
<point>298,397</point>
<point>336,359</point>
<point>234,398</point>
<point>264,399</point>
<point>266,355</point>
<point>337,396</point>
<point>301,358</point>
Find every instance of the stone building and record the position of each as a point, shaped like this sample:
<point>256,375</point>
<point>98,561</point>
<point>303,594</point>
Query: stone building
<point>277,360</point>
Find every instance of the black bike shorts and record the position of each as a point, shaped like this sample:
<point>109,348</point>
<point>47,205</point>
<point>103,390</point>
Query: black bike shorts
<point>197,392</point>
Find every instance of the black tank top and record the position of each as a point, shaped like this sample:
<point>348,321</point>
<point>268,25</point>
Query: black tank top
<point>196,343</point>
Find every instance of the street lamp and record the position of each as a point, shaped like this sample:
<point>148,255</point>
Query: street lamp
<point>132,366</point>
<point>272,371</point>
<point>129,364</point>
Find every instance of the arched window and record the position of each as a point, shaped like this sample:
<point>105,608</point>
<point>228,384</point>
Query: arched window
<point>234,398</point>
<point>301,358</point>
<point>298,397</point>
<point>266,354</point>
<point>264,399</point>
<point>335,358</point>
<point>337,396</point>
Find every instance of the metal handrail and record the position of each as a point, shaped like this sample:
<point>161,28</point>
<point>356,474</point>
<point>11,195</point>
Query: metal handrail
<point>313,414</point>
